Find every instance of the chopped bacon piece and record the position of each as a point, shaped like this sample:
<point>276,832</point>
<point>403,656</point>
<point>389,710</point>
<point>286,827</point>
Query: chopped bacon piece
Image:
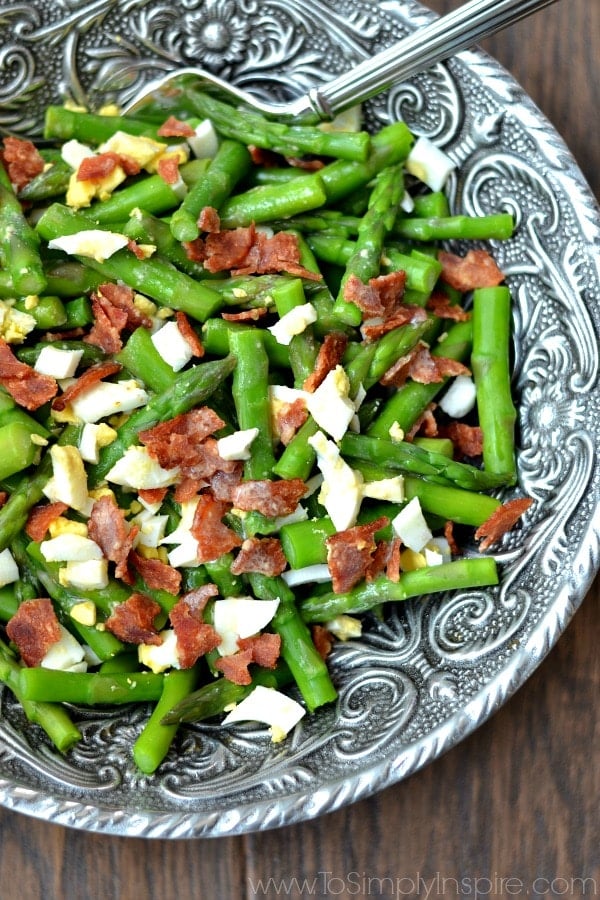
<point>123,297</point>
<point>113,534</point>
<point>168,169</point>
<point>173,127</point>
<point>330,355</point>
<point>71,334</point>
<point>213,536</point>
<point>187,488</point>
<point>262,157</point>
<point>310,165</point>
<point>322,639</point>
<point>133,620</point>
<point>350,553</point>
<point>188,333</point>
<point>425,425</point>
<point>109,322</point>
<point>22,161</point>
<point>271,498</point>
<point>379,297</point>
<point>246,251</point>
<point>27,387</point>
<point>449,535</point>
<point>465,273</point>
<point>98,167</point>
<point>209,220</point>
<point>467,439</point>
<point>41,517</point>
<point>421,366</point>
<point>194,250</point>
<point>501,521</point>
<point>379,560</point>
<point>3,498</point>
<point>288,419</point>
<point>264,555</point>
<point>152,495</point>
<point>403,314</point>
<point>265,648</point>
<point>34,628</point>
<point>235,667</point>
<point>246,315</point>
<point>85,381</point>
<point>194,636</point>
<point>441,305</point>
<point>392,569</point>
<point>135,248</point>
<point>223,483</point>
<point>184,442</point>
<point>158,575</point>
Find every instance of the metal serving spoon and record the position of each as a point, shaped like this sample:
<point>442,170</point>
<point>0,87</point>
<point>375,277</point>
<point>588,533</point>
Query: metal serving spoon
<point>449,34</point>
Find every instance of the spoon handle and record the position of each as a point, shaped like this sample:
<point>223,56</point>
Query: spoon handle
<point>458,30</point>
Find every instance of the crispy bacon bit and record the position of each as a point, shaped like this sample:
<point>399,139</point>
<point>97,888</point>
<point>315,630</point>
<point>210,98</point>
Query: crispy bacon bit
<point>152,495</point>
<point>34,628</point>
<point>22,161</point>
<point>350,553</point>
<point>188,333</point>
<point>209,220</point>
<point>501,521</point>
<point>264,555</point>
<point>441,305</point>
<point>246,251</point>
<point>122,297</point>
<point>392,569</point>
<point>330,355</point>
<point>91,376</point>
<point>71,334</point>
<point>133,620</point>
<point>379,560</point>
<point>421,366</point>
<point>380,297</point>
<point>449,535</point>
<point>425,425</point>
<point>27,387</point>
<point>135,248</point>
<point>235,667</point>
<point>322,639</point>
<point>403,315</point>
<point>246,315</point>
<point>194,636</point>
<point>98,167</point>
<point>187,488</point>
<point>223,483</point>
<point>289,417</point>
<point>271,498</point>
<point>213,536</point>
<point>300,162</point>
<point>467,439</point>
<point>109,322</point>
<point>265,648</point>
<point>262,157</point>
<point>168,169</point>
<point>194,250</point>
<point>475,270</point>
<point>182,442</point>
<point>158,575</point>
<point>113,534</point>
<point>41,517</point>
<point>173,127</point>
<point>3,498</point>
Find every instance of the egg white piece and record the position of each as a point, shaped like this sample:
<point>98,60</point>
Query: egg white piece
<point>411,527</point>
<point>460,398</point>
<point>90,242</point>
<point>293,322</point>
<point>240,617</point>
<point>172,346</point>
<point>106,398</point>
<point>66,654</point>
<point>429,164</point>
<point>58,363</point>
<point>9,571</point>
<point>269,706</point>
<point>139,471</point>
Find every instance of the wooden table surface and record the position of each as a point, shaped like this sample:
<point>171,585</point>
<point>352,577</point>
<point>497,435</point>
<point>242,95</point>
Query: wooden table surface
<point>516,805</point>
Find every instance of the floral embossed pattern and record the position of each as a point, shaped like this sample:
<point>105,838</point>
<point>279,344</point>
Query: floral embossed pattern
<point>429,673</point>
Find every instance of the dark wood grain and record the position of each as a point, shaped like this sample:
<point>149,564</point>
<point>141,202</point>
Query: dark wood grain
<point>516,800</point>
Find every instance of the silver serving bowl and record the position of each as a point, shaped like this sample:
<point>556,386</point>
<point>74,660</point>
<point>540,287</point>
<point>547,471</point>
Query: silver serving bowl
<point>435,669</point>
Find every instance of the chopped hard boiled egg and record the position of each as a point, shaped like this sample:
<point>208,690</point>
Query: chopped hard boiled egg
<point>93,438</point>
<point>330,405</point>
<point>237,445</point>
<point>14,324</point>
<point>144,150</point>
<point>411,527</point>
<point>172,346</point>
<point>107,398</point>
<point>240,617</point>
<point>293,322</point>
<point>58,363</point>
<point>84,612</point>
<point>342,488</point>
<point>70,547</point>
<point>272,707</point>
<point>91,242</point>
<point>66,654</point>
<point>139,471</point>
<point>74,152</point>
<point>69,478</point>
<point>205,143</point>
<point>160,657</point>
<point>9,570</point>
<point>460,397</point>
<point>344,627</point>
<point>429,164</point>
<point>391,489</point>
<point>315,574</point>
<point>87,575</point>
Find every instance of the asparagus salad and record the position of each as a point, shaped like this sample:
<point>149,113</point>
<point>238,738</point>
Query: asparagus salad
<point>247,400</point>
